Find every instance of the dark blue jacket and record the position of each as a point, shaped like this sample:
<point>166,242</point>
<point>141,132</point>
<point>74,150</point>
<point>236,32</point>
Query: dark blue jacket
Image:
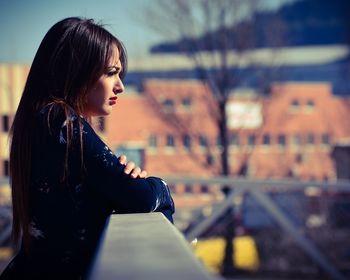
<point>68,214</point>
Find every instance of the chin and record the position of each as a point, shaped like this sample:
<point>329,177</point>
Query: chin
<point>105,112</point>
<point>100,114</point>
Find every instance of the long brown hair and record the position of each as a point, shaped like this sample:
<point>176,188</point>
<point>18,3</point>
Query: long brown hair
<point>74,53</point>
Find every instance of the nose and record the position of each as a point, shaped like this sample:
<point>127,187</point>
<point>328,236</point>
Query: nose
<point>119,87</point>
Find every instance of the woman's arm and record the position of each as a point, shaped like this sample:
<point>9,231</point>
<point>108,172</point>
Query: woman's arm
<point>105,173</point>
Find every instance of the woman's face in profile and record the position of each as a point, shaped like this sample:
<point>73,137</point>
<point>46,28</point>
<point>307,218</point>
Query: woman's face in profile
<point>103,95</point>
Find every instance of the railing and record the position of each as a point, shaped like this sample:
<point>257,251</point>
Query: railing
<point>145,246</point>
<point>5,215</point>
<point>258,190</point>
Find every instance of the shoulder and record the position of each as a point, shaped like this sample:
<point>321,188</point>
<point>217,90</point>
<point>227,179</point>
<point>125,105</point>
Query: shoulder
<point>57,110</point>
<point>54,116</point>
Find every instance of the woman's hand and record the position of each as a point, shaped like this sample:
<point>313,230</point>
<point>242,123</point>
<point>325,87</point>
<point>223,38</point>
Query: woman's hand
<point>131,169</point>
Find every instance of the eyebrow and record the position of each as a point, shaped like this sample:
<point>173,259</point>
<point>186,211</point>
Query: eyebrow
<point>117,68</point>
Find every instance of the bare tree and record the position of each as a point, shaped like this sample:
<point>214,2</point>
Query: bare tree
<point>217,35</point>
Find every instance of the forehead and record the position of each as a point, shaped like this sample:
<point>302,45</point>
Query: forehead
<point>115,57</point>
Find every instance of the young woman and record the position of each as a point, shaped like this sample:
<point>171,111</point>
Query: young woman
<point>65,180</point>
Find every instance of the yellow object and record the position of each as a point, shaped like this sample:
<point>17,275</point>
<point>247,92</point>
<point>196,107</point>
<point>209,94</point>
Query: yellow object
<point>5,194</point>
<point>211,252</point>
<point>5,253</point>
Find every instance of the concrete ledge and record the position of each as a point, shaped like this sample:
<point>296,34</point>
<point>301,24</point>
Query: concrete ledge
<point>145,246</point>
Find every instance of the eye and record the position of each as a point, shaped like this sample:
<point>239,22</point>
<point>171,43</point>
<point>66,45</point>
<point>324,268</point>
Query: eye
<point>112,73</point>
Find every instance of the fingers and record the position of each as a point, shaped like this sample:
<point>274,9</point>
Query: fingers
<point>122,159</point>
<point>143,174</point>
<point>131,169</point>
<point>135,172</point>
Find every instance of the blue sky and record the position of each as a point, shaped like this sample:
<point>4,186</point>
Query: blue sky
<point>23,23</point>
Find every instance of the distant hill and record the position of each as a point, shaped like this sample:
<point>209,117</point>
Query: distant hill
<point>307,22</point>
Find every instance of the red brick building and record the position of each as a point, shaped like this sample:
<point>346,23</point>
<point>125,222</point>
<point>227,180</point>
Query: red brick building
<point>170,127</point>
<point>300,124</point>
<point>169,121</point>
<point>288,133</point>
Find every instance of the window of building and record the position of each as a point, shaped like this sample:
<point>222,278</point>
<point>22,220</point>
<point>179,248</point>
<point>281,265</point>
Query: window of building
<point>5,123</point>
<point>152,141</point>
<point>234,139</point>
<point>186,139</point>
<point>310,104</point>
<point>325,139</point>
<point>310,139</point>
<point>168,105</point>
<point>188,189</point>
<point>187,103</point>
<point>134,154</point>
<point>296,140</point>
<point>6,168</point>
<point>299,158</point>
<point>281,139</point>
<point>251,140</point>
<point>170,141</point>
<point>294,105</point>
<point>204,189</point>
<point>210,160</point>
<point>203,141</point>
<point>266,139</point>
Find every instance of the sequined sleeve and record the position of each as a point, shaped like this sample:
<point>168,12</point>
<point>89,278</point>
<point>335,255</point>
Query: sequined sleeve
<point>105,174</point>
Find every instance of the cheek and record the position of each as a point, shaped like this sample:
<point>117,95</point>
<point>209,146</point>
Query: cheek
<point>102,89</point>
<point>91,100</point>
<point>96,95</point>
<point>99,93</point>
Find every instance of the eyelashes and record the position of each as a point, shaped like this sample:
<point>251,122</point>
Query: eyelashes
<point>115,70</point>
<point>112,73</point>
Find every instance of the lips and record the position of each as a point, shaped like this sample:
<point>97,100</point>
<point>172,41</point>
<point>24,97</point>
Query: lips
<point>113,100</point>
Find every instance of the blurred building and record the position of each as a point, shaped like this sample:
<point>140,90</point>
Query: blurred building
<point>171,125</point>
<point>12,80</point>
<point>300,123</point>
<point>168,126</point>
